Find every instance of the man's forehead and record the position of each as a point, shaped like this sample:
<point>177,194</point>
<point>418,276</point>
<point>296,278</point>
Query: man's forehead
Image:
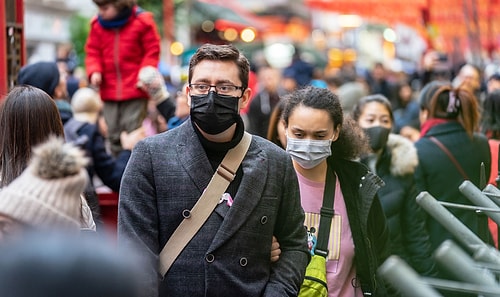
<point>216,71</point>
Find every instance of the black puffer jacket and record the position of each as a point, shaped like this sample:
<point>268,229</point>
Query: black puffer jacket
<point>367,222</point>
<point>406,221</point>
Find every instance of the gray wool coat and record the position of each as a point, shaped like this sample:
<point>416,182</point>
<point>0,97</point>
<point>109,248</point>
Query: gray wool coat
<point>230,255</point>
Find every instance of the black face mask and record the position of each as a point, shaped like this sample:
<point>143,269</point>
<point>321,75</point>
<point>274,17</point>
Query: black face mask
<point>377,136</point>
<point>214,113</point>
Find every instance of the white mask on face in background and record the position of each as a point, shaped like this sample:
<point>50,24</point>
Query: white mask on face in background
<point>308,153</point>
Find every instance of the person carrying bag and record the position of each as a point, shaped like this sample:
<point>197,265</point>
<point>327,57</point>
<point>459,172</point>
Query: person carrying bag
<point>314,284</point>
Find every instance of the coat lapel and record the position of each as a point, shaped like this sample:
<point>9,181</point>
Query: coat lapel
<point>255,169</point>
<point>193,158</point>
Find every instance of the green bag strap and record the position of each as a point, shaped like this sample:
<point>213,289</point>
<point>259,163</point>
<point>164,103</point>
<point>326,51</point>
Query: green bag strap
<point>326,214</point>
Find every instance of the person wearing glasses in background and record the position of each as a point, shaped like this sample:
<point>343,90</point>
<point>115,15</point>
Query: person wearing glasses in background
<point>231,253</point>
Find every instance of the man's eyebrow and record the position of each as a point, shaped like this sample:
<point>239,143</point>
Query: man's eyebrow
<point>220,81</point>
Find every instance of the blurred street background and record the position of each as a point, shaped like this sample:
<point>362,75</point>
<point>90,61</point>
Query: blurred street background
<point>332,34</point>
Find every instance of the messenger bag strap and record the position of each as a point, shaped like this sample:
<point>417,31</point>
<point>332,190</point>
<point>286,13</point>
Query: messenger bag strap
<point>200,212</point>
<point>448,153</point>
<point>326,213</point>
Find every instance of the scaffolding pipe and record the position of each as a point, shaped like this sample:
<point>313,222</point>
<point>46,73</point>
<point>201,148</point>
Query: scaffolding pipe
<point>478,198</point>
<point>402,277</point>
<point>480,250</point>
<point>493,193</point>
<point>460,265</point>
<point>455,286</point>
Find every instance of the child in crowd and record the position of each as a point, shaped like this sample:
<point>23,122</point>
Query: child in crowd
<point>123,39</point>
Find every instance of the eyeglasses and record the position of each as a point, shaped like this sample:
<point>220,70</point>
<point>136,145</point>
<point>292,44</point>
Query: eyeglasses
<point>220,89</point>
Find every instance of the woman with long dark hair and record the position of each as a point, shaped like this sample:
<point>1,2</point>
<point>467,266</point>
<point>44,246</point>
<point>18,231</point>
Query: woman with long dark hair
<point>28,117</point>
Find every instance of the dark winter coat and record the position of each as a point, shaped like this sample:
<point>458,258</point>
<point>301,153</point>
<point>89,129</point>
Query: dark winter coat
<point>230,255</point>
<point>437,174</point>
<point>259,112</point>
<point>367,221</point>
<point>406,220</point>
<point>107,168</point>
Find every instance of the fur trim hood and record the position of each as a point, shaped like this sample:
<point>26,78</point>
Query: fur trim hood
<point>404,158</point>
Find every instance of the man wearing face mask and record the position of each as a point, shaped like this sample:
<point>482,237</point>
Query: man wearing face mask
<point>394,159</point>
<point>167,174</point>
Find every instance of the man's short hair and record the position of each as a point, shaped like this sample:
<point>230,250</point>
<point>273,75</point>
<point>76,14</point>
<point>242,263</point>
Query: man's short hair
<point>227,52</point>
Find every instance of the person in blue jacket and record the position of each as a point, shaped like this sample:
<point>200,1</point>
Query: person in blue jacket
<point>82,129</point>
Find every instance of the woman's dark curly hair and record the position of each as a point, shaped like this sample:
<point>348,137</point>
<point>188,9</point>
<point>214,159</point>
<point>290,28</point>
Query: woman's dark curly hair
<point>351,141</point>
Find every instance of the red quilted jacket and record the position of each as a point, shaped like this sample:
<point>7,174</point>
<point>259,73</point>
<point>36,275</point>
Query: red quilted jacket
<point>118,54</point>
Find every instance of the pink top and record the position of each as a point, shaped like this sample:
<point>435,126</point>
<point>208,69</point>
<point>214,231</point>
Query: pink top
<point>341,272</point>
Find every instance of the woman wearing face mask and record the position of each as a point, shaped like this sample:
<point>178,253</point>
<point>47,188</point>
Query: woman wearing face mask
<point>319,140</point>
<point>394,159</point>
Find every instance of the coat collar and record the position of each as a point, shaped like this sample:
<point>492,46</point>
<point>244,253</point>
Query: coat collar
<point>403,154</point>
<point>445,128</point>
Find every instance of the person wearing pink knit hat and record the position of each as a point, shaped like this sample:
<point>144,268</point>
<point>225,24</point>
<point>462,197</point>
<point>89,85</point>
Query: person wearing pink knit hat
<point>47,195</point>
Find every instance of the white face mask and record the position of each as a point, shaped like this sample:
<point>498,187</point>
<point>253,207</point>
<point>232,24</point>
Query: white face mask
<point>308,153</point>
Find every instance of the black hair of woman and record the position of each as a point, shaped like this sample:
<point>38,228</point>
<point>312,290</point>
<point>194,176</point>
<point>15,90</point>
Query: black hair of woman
<point>28,116</point>
<point>490,124</point>
<point>352,141</point>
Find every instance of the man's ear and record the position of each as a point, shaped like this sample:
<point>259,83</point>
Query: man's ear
<point>186,91</point>
<point>245,99</point>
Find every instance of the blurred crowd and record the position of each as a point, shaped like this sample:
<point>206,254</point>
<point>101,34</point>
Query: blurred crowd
<point>68,134</point>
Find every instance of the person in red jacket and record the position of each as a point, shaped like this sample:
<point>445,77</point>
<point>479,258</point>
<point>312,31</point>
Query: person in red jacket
<point>123,39</point>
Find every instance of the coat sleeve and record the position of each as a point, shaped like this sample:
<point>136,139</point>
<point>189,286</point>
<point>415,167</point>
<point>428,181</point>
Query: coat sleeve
<point>92,51</point>
<point>109,169</point>
<point>138,215</point>
<point>381,245</point>
<point>415,235</point>
<point>288,272</point>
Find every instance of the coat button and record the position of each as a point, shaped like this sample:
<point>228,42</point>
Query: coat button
<point>209,258</point>
<point>186,213</point>
<point>263,220</point>
<point>243,261</point>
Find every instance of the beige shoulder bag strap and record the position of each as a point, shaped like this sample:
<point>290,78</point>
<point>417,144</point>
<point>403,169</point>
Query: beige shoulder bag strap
<point>206,204</point>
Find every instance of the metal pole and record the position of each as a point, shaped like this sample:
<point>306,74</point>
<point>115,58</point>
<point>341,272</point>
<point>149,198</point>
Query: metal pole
<point>478,198</point>
<point>463,267</point>
<point>471,241</point>
<point>493,193</point>
<point>482,220</point>
<point>168,27</point>
<point>402,277</point>
<point>460,287</point>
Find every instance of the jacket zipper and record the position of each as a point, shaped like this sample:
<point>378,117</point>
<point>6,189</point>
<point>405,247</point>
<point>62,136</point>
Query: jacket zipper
<point>116,58</point>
